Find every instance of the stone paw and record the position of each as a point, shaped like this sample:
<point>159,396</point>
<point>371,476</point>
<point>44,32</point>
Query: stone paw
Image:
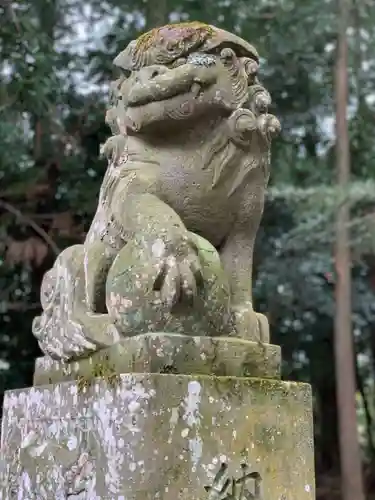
<point>145,282</point>
<point>70,338</point>
<point>179,271</point>
<point>251,325</point>
<point>61,340</point>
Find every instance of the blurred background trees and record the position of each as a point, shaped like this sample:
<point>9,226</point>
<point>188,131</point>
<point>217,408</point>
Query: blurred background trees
<point>56,63</point>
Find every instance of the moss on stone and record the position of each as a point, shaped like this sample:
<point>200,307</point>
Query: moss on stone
<point>169,353</point>
<point>168,369</point>
<point>174,472</point>
<point>182,31</point>
<point>194,423</point>
<point>103,369</point>
<point>83,383</point>
<point>266,388</point>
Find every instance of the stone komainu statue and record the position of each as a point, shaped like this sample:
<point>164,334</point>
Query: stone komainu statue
<point>170,248</point>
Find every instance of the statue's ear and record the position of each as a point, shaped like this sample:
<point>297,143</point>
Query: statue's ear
<point>124,59</point>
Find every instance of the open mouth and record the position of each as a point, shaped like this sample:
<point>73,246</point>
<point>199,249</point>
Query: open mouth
<point>186,79</point>
<point>150,111</point>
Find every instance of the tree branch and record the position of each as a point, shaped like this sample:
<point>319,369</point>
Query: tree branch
<point>29,222</point>
<point>20,306</point>
<point>12,14</point>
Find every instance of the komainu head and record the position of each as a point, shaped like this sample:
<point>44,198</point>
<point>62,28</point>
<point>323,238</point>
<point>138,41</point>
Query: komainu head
<point>182,72</point>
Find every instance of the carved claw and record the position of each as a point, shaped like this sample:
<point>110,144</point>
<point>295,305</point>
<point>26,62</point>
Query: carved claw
<point>251,325</point>
<point>180,274</point>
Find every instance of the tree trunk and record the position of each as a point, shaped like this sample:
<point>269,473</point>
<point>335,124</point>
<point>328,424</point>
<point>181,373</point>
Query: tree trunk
<point>47,17</point>
<point>156,13</point>
<point>328,442</point>
<point>324,383</point>
<point>350,458</point>
<point>367,412</point>
<point>372,347</point>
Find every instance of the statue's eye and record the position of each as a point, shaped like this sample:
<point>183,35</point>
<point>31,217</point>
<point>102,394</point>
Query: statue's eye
<point>201,59</point>
<point>177,63</point>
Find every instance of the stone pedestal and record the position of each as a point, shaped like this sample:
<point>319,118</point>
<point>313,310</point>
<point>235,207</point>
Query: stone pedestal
<point>160,435</point>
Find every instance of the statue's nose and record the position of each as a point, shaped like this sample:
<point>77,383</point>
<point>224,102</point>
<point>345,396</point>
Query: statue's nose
<point>149,73</point>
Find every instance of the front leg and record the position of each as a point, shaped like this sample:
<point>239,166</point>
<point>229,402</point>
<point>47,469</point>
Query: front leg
<point>237,259</point>
<point>159,231</point>
<point>253,134</point>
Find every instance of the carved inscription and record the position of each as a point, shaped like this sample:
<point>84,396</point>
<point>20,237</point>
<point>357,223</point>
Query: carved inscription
<point>230,488</point>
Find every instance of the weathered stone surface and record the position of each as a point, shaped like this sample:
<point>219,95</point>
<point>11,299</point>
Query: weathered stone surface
<point>155,436</point>
<point>167,353</point>
<point>170,247</point>
<point>135,304</point>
